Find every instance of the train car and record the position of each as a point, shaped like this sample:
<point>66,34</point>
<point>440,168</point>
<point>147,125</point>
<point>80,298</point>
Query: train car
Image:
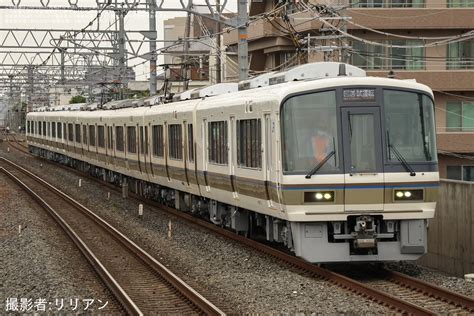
<point>335,165</point>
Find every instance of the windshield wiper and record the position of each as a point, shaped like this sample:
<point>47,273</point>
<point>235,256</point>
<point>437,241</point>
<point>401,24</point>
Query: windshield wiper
<point>402,160</point>
<point>320,164</point>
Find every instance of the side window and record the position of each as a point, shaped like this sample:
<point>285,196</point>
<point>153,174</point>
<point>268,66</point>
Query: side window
<point>190,143</point>
<point>91,135</point>
<point>218,142</point>
<point>78,133</point>
<point>109,137</point>
<point>44,128</point>
<point>53,129</point>
<point>132,139</point>
<point>64,131</point>
<point>60,130</point>
<point>101,136</point>
<point>119,138</point>
<point>175,141</point>
<point>70,132</point>
<point>49,128</point>
<point>157,136</point>
<point>144,140</point>
<point>84,134</point>
<point>249,143</point>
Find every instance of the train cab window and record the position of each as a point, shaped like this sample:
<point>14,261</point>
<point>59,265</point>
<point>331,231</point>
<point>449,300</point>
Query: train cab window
<point>101,136</point>
<point>53,129</point>
<point>119,138</point>
<point>91,135</point>
<point>44,128</point>
<point>157,137</point>
<point>218,142</point>
<point>249,143</point>
<point>132,139</point>
<point>109,137</point>
<point>190,143</point>
<point>70,132</point>
<point>78,133</point>
<point>144,140</point>
<point>175,141</point>
<point>309,128</point>
<point>60,129</point>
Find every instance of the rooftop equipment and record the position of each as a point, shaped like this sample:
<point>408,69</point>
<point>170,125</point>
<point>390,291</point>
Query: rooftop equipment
<point>257,82</point>
<point>216,89</point>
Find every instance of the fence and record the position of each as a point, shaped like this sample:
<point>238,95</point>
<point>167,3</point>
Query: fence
<point>451,232</point>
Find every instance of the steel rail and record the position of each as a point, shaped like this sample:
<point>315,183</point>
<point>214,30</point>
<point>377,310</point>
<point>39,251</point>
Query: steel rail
<point>188,292</point>
<point>432,289</point>
<point>104,274</point>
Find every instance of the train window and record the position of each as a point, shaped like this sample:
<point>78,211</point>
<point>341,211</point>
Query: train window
<point>53,129</point>
<point>157,136</point>
<point>39,128</point>
<point>70,132</point>
<point>175,141</point>
<point>60,129</point>
<point>119,138</point>
<point>144,140</point>
<point>44,128</point>
<point>84,134</point>
<point>190,143</point>
<point>249,143</point>
<point>101,136</point>
<point>78,133</point>
<point>218,142</point>
<point>64,131</point>
<point>132,139</point>
<point>109,137</point>
<point>49,129</point>
<point>91,135</point>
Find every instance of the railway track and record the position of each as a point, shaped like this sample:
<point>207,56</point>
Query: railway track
<point>394,290</point>
<point>15,143</point>
<point>140,283</point>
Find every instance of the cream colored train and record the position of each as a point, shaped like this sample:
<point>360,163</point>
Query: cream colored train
<point>335,165</point>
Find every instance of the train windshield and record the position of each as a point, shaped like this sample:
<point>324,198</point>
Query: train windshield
<point>410,127</point>
<point>310,132</point>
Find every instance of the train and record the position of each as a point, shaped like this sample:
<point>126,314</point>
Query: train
<point>322,160</point>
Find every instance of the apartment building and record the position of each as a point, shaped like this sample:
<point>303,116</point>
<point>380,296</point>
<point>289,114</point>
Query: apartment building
<point>431,41</point>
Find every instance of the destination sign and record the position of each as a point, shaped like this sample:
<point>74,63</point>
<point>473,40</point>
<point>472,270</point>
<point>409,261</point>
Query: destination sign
<point>367,95</point>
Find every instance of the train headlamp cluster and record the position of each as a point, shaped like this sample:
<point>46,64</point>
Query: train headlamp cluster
<point>319,196</point>
<point>408,195</point>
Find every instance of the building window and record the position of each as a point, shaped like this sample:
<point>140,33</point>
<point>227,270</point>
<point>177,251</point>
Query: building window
<point>60,129</point>
<point>388,3</point>
<point>190,143</point>
<point>70,132</point>
<point>91,135</point>
<point>101,136</point>
<point>109,137</point>
<point>119,138</point>
<point>132,139</point>
<point>249,143</point>
<point>372,57</point>
<point>175,141</point>
<point>460,116</point>
<point>78,133</point>
<point>144,140</point>
<point>461,55</point>
<point>157,135</point>
<point>464,173</point>
<point>218,142</point>
<point>460,3</point>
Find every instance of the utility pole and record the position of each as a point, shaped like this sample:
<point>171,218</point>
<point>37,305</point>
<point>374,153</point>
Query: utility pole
<point>152,37</point>
<point>218,43</point>
<point>243,49</point>
<point>121,46</point>
<point>187,35</point>
<point>62,65</point>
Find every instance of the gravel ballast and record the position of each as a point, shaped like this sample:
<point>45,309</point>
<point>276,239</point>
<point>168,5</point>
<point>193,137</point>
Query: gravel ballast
<point>234,277</point>
<point>42,263</point>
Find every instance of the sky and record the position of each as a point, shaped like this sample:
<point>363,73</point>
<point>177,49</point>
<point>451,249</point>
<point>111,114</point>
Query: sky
<point>55,19</point>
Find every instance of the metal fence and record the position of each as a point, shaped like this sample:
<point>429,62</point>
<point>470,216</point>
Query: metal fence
<point>451,232</point>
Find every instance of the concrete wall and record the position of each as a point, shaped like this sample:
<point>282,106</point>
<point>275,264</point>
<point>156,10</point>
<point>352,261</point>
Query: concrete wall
<point>451,232</point>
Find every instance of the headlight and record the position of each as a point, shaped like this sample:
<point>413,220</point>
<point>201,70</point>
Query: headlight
<point>409,195</point>
<point>319,196</point>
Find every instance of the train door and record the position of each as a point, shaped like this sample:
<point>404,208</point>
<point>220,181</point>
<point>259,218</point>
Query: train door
<point>268,158</point>
<point>363,165</point>
<point>185,150</point>
<point>233,156</point>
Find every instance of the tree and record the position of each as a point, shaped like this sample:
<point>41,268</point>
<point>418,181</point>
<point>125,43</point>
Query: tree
<point>77,99</point>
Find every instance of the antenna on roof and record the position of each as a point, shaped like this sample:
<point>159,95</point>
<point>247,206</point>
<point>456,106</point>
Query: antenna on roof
<point>342,70</point>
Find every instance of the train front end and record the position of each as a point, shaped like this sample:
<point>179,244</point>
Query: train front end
<point>360,173</point>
